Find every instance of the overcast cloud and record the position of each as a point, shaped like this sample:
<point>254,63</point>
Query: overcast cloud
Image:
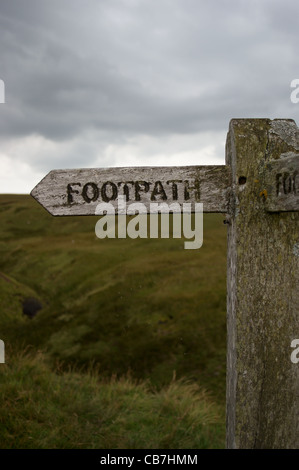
<point>98,83</point>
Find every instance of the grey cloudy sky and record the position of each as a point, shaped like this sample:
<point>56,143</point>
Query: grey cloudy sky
<point>99,83</point>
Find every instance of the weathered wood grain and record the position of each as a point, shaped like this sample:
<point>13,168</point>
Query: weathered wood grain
<point>78,192</point>
<point>262,290</point>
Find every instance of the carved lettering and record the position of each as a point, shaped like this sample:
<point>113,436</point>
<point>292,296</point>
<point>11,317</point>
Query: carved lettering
<point>296,182</point>
<point>109,194</point>
<point>194,188</point>
<point>71,191</point>
<point>126,188</point>
<point>138,188</point>
<point>175,190</point>
<point>158,191</point>
<point>286,183</point>
<point>90,192</point>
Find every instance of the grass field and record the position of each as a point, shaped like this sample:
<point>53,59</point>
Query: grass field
<point>129,349</point>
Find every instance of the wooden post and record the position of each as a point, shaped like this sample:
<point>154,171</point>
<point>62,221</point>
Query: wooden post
<point>263,284</point>
<point>259,192</point>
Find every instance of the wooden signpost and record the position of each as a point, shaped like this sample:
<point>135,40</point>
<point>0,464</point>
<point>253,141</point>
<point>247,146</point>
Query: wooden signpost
<point>77,192</point>
<point>258,190</point>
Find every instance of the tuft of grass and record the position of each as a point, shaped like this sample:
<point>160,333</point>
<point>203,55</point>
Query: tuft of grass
<point>43,409</point>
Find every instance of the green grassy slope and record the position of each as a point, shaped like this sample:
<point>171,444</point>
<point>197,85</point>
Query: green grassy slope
<point>47,410</point>
<point>144,306</point>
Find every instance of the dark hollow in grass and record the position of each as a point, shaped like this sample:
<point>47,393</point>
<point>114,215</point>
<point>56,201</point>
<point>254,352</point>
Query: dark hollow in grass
<point>31,306</point>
